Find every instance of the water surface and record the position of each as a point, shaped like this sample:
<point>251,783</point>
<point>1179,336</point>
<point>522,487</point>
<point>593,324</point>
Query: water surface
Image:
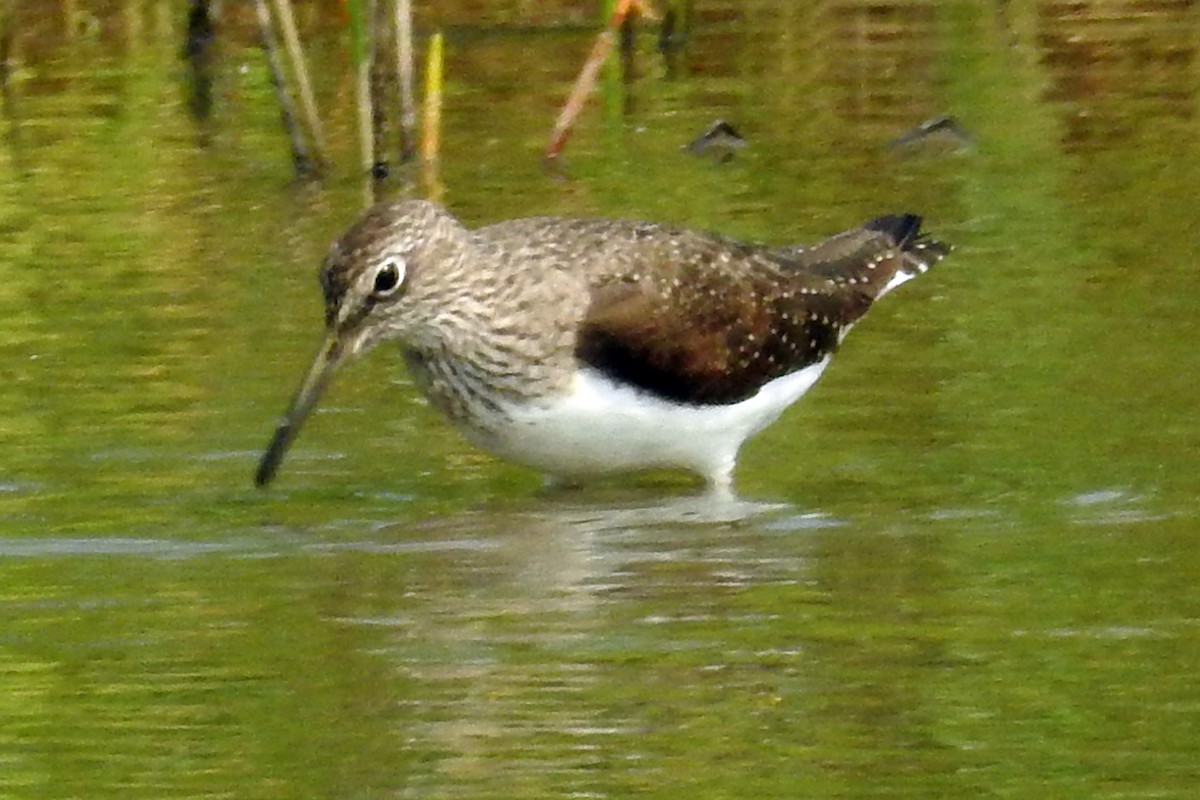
<point>966,565</point>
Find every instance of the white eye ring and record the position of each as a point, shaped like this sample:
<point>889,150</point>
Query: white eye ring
<point>388,278</point>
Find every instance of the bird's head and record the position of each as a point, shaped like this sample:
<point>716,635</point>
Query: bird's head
<point>387,277</point>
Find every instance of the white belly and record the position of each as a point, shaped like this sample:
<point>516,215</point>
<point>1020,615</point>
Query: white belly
<point>601,426</point>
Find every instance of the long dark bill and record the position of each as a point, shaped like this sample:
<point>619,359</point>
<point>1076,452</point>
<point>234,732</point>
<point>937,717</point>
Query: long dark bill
<point>330,357</point>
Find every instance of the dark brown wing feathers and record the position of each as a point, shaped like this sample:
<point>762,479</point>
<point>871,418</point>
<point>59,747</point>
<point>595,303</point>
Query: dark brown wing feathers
<point>711,324</point>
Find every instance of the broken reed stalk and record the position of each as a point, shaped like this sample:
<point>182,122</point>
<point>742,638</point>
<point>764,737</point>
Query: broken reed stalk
<point>301,159</point>
<point>579,94</point>
<point>587,76</point>
<point>432,116</point>
<point>404,73</point>
<point>291,41</point>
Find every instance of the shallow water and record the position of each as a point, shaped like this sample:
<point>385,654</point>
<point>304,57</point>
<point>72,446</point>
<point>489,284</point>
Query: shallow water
<point>964,564</point>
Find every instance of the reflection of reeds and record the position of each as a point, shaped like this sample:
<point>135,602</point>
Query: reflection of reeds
<point>673,33</point>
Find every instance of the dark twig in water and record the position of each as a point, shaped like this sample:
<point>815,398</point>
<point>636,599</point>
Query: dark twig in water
<point>721,141</point>
<point>381,30</point>
<point>199,52</point>
<point>946,125</point>
<point>301,159</point>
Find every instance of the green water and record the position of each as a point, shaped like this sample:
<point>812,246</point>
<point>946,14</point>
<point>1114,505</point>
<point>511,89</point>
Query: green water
<point>977,572</point>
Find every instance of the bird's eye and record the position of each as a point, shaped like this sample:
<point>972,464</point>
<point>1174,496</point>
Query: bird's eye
<point>388,278</point>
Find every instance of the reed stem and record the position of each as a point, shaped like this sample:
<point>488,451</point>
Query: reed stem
<point>404,73</point>
<point>301,159</point>
<point>432,116</point>
<point>291,41</point>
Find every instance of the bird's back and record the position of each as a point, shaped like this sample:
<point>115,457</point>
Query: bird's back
<point>698,318</point>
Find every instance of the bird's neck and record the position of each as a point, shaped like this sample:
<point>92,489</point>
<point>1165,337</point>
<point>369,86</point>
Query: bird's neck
<point>474,372</point>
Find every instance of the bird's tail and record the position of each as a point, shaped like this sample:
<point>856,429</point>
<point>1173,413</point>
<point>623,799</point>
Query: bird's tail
<point>917,251</point>
<point>873,258</point>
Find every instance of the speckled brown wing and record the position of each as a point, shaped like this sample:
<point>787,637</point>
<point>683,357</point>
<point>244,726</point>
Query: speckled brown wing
<point>713,321</point>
